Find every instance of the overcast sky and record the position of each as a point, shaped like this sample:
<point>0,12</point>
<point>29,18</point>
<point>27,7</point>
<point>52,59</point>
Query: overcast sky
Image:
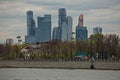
<point>103,13</point>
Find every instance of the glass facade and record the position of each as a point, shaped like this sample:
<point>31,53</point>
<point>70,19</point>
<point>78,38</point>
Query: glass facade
<point>69,25</point>
<point>56,33</point>
<point>64,32</point>
<point>61,16</point>
<point>81,33</point>
<point>43,31</point>
<point>30,37</point>
<point>30,24</point>
<point>65,25</point>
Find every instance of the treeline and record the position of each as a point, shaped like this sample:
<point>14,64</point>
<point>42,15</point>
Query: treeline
<point>98,46</point>
<point>104,46</point>
<point>11,51</point>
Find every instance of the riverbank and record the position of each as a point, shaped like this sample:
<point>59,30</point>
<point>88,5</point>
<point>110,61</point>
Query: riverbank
<point>61,64</point>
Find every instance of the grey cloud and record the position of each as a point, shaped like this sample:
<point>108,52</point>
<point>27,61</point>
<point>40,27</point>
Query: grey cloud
<point>11,0</point>
<point>44,3</point>
<point>76,5</point>
<point>7,16</point>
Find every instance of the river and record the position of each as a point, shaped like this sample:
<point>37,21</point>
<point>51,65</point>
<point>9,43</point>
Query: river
<point>57,74</point>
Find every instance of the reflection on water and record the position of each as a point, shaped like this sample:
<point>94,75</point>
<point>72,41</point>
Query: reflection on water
<point>57,74</point>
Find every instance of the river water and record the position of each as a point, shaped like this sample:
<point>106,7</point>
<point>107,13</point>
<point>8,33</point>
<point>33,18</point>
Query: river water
<point>57,74</point>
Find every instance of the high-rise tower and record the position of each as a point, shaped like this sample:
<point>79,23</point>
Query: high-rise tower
<point>30,37</point>
<point>64,30</point>
<point>61,16</point>
<point>62,24</point>
<point>43,31</point>
<point>81,31</point>
<point>56,33</point>
<point>69,29</point>
<point>30,24</point>
<point>80,20</point>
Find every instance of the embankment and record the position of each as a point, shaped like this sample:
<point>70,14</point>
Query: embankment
<point>60,64</point>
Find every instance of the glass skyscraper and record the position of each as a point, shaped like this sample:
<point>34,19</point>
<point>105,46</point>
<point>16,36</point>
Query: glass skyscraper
<point>30,37</point>
<point>64,32</point>
<point>61,23</point>
<point>43,31</point>
<point>81,31</point>
<point>61,16</point>
<point>30,23</point>
<point>64,26</point>
<point>56,33</point>
<point>69,29</point>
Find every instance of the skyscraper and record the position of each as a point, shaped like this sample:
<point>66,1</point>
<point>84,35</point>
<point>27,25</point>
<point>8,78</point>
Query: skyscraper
<point>56,33</point>
<point>61,16</point>
<point>43,31</point>
<point>69,29</point>
<point>65,25</point>
<point>81,31</point>
<point>30,24</point>
<point>64,32</point>
<point>30,37</point>
<point>97,30</point>
<point>62,22</point>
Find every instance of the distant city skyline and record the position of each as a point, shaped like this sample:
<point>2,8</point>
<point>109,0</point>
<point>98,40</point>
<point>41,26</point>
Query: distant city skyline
<point>42,31</point>
<point>103,13</point>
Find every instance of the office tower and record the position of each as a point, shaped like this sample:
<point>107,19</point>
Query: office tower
<point>9,41</point>
<point>30,24</point>
<point>64,32</point>
<point>97,30</point>
<point>65,25</point>
<point>62,22</point>
<point>81,31</point>
<point>69,29</point>
<point>56,33</point>
<point>43,31</point>
<point>66,29</point>
<point>61,16</point>
<point>30,37</point>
